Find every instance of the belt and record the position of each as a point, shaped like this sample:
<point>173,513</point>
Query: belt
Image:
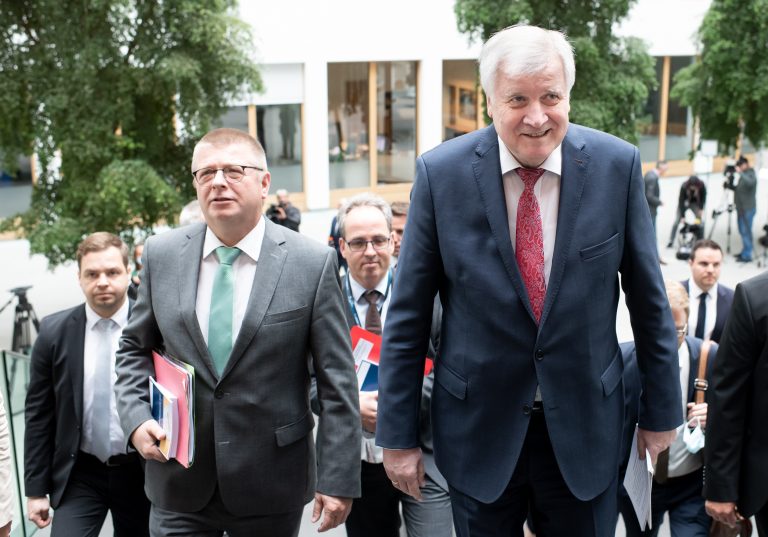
<point>537,407</point>
<point>114,460</point>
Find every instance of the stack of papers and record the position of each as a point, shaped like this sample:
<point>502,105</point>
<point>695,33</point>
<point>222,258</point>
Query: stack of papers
<point>366,348</point>
<point>638,481</point>
<point>178,380</point>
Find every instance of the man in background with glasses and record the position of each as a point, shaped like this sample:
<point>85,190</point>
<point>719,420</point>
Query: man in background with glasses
<point>246,304</point>
<point>367,243</point>
<point>678,481</point>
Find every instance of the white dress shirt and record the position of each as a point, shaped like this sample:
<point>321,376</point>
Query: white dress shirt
<point>693,306</point>
<point>244,269</point>
<point>547,192</point>
<point>369,451</point>
<point>90,356</point>
<point>681,461</point>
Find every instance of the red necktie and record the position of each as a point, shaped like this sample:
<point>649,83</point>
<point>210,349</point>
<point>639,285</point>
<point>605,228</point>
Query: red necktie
<point>529,241</point>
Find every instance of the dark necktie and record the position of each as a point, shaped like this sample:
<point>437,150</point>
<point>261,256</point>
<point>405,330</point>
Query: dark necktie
<point>372,317</point>
<point>702,320</point>
<point>529,241</point>
<point>661,473</point>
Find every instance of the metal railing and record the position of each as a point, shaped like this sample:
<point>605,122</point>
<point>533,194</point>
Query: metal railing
<point>15,381</point>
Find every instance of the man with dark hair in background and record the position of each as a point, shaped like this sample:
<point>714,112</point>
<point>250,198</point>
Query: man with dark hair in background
<point>75,457</point>
<point>399,217</point>
<point>746,203</point>
<point>710,300</point>
<point>284,213</point>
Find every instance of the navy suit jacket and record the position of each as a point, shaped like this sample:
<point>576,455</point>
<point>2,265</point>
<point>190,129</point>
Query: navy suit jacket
<point>724,302</point>
<point>493,354</point>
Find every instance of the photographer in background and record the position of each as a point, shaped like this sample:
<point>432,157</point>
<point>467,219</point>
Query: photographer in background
<point>744,199</point>
<point>284,213</point>
<point>693,196</point>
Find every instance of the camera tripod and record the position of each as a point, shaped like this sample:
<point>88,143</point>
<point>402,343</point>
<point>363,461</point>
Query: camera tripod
<point>24,319</point>
<point>725,206</point>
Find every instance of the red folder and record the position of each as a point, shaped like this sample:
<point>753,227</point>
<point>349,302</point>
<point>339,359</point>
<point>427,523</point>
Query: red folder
<point>177,379</point>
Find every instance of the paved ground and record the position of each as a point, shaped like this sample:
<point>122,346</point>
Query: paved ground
<point>56,289</point>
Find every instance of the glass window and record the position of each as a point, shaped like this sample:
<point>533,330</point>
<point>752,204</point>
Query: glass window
<point>348,125</point>
<point>460,103</point>
<point>236,117</point>
<point>396,121</point>
<point>649,126</point>
<point>278,128</point>
<point>679,125</point>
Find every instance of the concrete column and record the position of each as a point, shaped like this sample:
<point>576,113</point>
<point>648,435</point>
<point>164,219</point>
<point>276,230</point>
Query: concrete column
<point>316,133</point>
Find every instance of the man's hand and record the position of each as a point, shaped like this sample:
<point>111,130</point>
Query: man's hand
<point>654,441</point>
<point>280,213</point>
<point>698,411</point>
<point>405,469</point>
<point>336,511</point>
<point>725,512</point>
<point>145,439</point>
<point>38,510</point>
<point>369,403</point>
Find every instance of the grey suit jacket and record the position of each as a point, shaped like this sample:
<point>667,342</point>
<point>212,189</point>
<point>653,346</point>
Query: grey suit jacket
<point>253,425</point>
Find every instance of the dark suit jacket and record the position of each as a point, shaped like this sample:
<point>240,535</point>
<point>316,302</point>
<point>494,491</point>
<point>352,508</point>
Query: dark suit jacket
<point>54,405</point>
<point>724,302</point>
<point>493,354</point>
<point>652,192</point>
<point>737,431</point>
<point>253,425</point>
<point>633,383</point>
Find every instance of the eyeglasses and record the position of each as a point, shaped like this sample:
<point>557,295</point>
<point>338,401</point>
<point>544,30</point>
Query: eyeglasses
<point>360,245</point>
<point>233,173</point>
<point>682,331</point>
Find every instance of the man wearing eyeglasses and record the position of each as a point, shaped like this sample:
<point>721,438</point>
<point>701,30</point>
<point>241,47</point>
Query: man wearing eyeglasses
<point>367,243</point>
<point>678,481</point>
<point>250,306</point>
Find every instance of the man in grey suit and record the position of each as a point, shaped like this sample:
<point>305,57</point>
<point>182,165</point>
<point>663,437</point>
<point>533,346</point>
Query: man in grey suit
<point>251,306</point>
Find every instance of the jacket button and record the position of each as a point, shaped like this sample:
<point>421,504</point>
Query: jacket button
<point>218,394</point>
<point>526,410</point>
<point>539,354</point>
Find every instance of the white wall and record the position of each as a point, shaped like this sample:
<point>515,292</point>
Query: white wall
<point>293,33</point>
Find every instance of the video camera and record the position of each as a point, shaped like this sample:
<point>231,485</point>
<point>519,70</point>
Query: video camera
<point>764,239</point>
<point>730,177</point>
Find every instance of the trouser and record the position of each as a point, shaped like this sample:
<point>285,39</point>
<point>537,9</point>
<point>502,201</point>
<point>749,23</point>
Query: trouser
<point>538,485</point>
<point>95,487</point>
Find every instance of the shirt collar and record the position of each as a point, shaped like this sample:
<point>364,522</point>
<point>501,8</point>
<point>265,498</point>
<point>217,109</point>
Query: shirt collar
<point>120,317</point>
<point>250,245</point>
<point>554,162</point>
<point>358,290</point>
<point>696,291</point>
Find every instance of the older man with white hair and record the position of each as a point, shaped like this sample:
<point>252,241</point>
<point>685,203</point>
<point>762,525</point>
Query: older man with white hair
<point>523,229</point>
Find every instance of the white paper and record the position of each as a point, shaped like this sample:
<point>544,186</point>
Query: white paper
<point>638,482</point>
<point>361,352</point>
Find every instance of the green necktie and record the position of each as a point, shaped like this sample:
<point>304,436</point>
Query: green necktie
<point>222,308</point>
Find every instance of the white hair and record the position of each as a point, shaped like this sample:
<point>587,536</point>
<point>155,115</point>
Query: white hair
<point>523,50</point>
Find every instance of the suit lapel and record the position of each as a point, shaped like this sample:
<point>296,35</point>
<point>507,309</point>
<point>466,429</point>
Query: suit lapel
<point>76,356</point>
<point>572,179</point>
<point>190,256</point>
<point>487,172</point>
<point>268,271</point>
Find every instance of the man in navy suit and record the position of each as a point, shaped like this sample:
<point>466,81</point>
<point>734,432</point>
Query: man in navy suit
<point>710,301</point>
<point>523,228</point>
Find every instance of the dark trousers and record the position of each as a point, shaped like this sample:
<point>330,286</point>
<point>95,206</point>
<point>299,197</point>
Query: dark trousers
<point>681,497</point>
<point>536,484</point>
<point>376,512</point>
<point>761,519</point>
<point>95,488</point>
<point>214,519</point>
